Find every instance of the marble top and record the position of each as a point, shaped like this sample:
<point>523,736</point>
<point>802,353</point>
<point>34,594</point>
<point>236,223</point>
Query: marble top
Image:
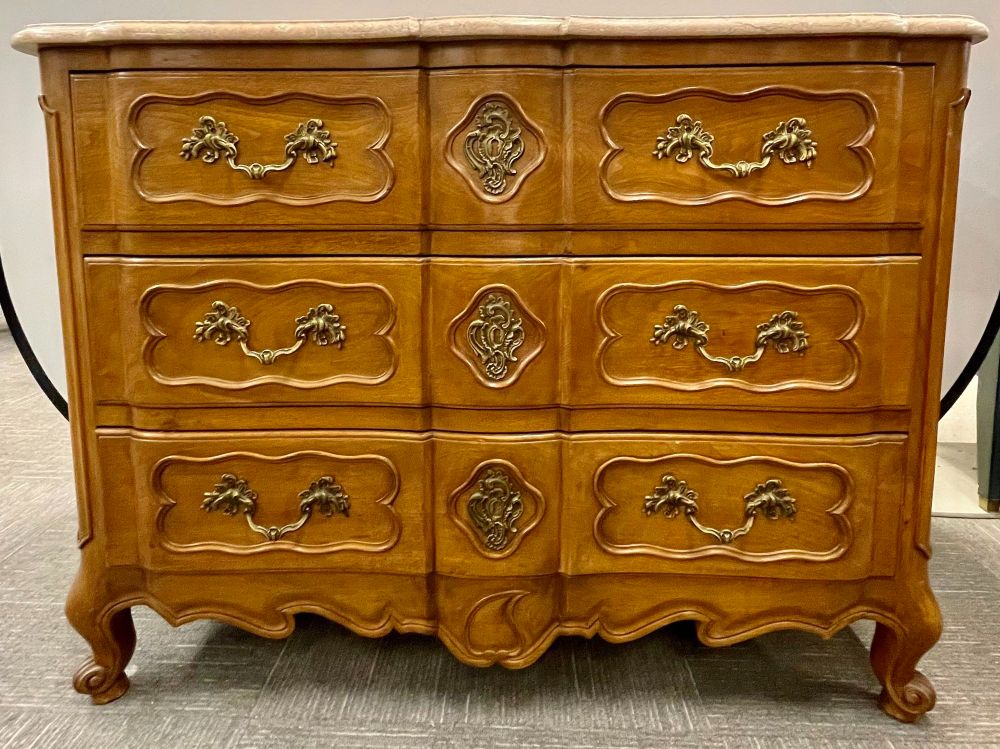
<point>31,38</point>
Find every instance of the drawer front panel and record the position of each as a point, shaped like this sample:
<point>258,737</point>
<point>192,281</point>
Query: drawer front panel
<point>232,501</point>
<point>248,148</point>
<point>740,506</point>
<point>770,145</point>
<point>721,332</point>
<point>494,332</point>
<point>497,144</point>
<point>496,505</point>
<point>187,332</point>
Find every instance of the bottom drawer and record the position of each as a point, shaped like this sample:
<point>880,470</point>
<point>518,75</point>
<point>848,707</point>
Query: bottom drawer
<point>822,508</point>
<point>503,505</point>
<point>272,501</point>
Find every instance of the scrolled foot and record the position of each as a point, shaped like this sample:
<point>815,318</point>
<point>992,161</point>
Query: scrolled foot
<point>102,684</point>
<point>896,649</point>
<point>908,702</point>
<point>111,636</point>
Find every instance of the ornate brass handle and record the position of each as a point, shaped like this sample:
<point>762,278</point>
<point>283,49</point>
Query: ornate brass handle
<point>784,331</point>
<point>673,496</point>
<point>233,495</point>
<point>213,139</point>
<point>224,323</point>
<point>790,141</point>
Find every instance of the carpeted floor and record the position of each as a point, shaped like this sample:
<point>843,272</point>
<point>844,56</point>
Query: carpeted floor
<point>211,685</point>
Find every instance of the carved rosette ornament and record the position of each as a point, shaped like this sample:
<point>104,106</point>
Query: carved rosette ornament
<point>495,335</point>
<point>495,507</point>
<point>494,145</point>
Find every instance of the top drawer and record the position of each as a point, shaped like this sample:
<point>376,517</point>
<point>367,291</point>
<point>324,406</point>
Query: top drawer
<point>807,145</point>
<point>260,148</point>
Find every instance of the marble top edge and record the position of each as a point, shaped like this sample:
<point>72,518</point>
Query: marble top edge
<point>31,38</point>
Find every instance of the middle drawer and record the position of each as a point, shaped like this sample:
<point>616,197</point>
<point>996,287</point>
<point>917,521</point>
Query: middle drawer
<point>504,334</point>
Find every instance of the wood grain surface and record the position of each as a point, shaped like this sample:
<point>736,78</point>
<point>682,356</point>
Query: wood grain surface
<point>500,411</point>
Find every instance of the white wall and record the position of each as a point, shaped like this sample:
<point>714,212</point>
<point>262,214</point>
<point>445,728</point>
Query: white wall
<point>25,219</point>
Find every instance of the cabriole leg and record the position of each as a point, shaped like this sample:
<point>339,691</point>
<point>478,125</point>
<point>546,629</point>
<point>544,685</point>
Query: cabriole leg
<point>906,693</point>
<point>111,636</point>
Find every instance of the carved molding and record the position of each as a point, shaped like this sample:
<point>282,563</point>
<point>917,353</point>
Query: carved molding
<point>531,342</point>
<point>263,545</point>
<point>717,629</point>
<point>710,548</point>
<point>612,336</point>
<point>956,118</point>
<point>75,332</point>
<point>156,336</point>
<point>504,603</point>
<point>480,120</point>
<point>857,147</point>
<point>613,618</point>
<point>531,499</point>
<point>376,148</point>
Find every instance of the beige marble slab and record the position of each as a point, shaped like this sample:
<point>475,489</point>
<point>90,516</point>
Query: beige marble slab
<point>31,38</point>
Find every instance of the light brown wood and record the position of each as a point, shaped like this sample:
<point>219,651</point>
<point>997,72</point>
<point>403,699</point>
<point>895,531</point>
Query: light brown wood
<point>855,177</point>
<point>150,310</point>
<point>170,475</point>
<point>844,526</point>
<point>497,444</point>
<point>133,124</point>
<point>859,316</point>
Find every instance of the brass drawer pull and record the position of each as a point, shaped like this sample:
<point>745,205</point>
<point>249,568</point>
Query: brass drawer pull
<point>212,139</point>
<point>673,496</point>
<point>784,331</point>
<point>224,323</point>
<point>790,141</point>
<point>233,495</point>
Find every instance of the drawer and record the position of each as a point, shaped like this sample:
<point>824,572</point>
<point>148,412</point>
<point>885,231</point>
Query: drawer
<point>496,505</point>
<point>238,332</point>
<point>744,333</point>
<point>497,142</point>
<point>741,506</point>
<point>265,500</point>
<point>187,148</point>
<point>494,337</point>
<point>796,145</point>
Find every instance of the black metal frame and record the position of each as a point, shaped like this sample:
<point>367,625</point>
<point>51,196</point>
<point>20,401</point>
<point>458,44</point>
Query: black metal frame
<point>975,360</point>
<point>21,341</point>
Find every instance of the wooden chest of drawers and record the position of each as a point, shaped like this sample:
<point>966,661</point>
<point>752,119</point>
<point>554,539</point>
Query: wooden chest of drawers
<point>506,329</point>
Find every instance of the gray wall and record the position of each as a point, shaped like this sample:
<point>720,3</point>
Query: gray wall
<point>26,225</point>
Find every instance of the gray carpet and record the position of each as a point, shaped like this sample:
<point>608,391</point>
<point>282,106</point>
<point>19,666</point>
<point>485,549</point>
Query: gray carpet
<point>210,685</point>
